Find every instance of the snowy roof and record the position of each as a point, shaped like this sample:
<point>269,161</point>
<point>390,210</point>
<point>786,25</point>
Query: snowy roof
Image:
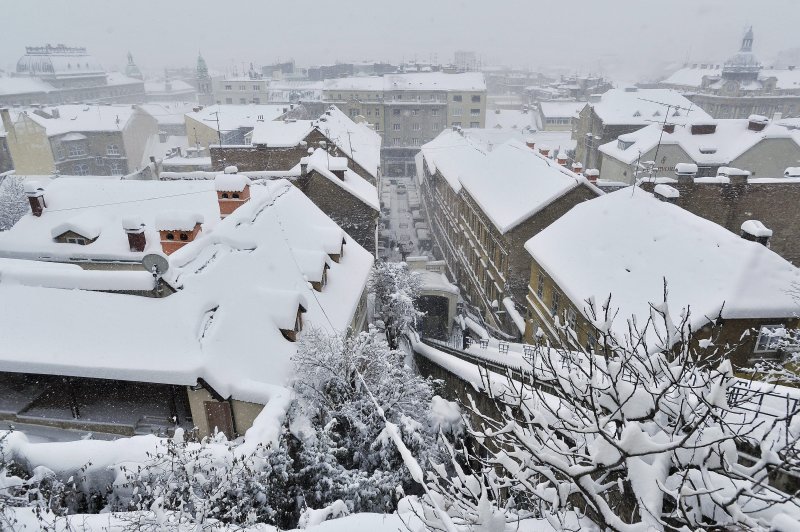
<point>513,182</point>
<point>237,116</point>
<point>168,113</point>
<point>627,242</point>
<point>693,77</point>
<point>561,109</point>
<point>466,81</point>
<point>118,78</point>
<point>161,87</point>
<point>71,276</point>
<point>89,204</point>
<point>357,141</point>
<point>177,220</point>
<point>281,133</point>
<point>9,86</point>
<point>353,183</point>
<point>223,332</point>
<point>453,153</point>
<point>511,119</point>
<point>730,140</point>
<point>629,107</point>
<point>75,118</point>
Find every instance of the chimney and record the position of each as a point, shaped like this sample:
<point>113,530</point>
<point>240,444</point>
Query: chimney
<point>666,193</point>
<point>162,137</point>
<point>134,227</point>
<point>529,142</point>
<point>233,190</point>
<point>669,128</point>
<point>592,174</point>
<point>55,113</point>
<point>735,175</point>
<point>177,228</point>
<point>577,168</point>
<point>561,158</point>
<point>704,128</point>
<point>685,173</point>
<point>757,122</point>
<point>544,150</point>
<point>755,231</point>
<point>35,195</point>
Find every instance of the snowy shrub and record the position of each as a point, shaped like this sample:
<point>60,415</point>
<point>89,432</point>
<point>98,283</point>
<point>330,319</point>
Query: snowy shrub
<point>13,203</point>
<point>632,436</point>
<point>396,289</point>
<point>348,454</point>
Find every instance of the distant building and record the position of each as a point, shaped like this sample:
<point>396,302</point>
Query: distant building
<point>256,90</point>
<point>483,202</point>
<point>80,139</point>
<point>466,61</point>
<point>741,86</point>
<point>205,90</point>
<point>51,75</point>
<point>131,70</point>
<point>619,249</point>
<point>559,115</point>
<point>227,124</point>
<point>754,144</point>
<point>169,90</point>
<point>621,111</point>
<point>409,110</point>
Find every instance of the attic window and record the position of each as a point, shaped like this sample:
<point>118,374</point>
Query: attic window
<point>708,151</point>
<point>75,240</point>
<point>622,145</point>
<point>657,113</point>
<point>291,334</point>
<point>637,113</point>
<point>769,338</point>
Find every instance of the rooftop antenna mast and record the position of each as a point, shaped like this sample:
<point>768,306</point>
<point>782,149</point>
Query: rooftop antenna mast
<point>663,123</point>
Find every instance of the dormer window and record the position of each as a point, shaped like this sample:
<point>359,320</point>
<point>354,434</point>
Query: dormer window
<point>74,240</point>
<point>291,334</point>
<point>622,145</point>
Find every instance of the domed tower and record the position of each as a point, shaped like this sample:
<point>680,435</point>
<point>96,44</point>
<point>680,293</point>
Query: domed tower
<point>743,66</point>
<point>131,70</point>
<point>203,80</point>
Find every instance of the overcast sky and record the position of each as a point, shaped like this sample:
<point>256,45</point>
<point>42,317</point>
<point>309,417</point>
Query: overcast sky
<point>623,38</point>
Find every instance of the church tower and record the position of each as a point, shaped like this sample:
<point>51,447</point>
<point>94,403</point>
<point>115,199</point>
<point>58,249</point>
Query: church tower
<point>131,70</point>
<point>204,93</point>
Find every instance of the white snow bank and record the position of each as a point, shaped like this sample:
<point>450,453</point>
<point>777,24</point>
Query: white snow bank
<point>514,314</point>
<point>231,182</point>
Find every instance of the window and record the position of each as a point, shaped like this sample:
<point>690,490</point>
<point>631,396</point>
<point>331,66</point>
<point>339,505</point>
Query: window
<point>435,112</point>
<point>112,149</point>
<point>396,127</point>
<point>475,112</point>
<point>80,169</point>
<point>415,142</point>
<point>79,241</point>
<point>474,124</point>
<point>415,127</point>
<point>457,98</point>
<point>456,124</point>
<point>60,152</point>
<point>115,168</point>
<point>242,87</point>
<point>235,195</point>
<point>229,100</point>
<point>414,112</point>
<point>170,236</point>
<point>184,237</point>
<point>243,101</point>
<point>572,318</point>
<point>436,127</point>
<point>769,338</point>
<point>396,141</point>
<point>256,101</point>
<point>396,112</point>
<point>228,88</point>
<point>591,341</point>
<point>225,195</point>
<point>353,113</point>
<point>554,303</point>
<point>476,98</point>
<point>76,149</point>
<point>256,87</point>
<point>378,112</point>
<point>457,111</point>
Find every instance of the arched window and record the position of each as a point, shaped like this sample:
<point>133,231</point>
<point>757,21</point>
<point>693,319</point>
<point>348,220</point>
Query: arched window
<point>225,195</point>
<point>235,195</point>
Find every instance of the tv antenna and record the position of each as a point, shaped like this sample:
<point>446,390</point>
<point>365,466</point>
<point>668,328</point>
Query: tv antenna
<point>663,123</point>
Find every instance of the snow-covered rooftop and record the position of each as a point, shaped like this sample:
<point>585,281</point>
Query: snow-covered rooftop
<point>730,140</point>
<point>163,87</point>
<point>627,242</point>
<point>353,183</point>
<point>168,113</point>
<point>511,119</point>
<point>76,118</point>
<point>93,204</point>
<point>641,106</point>
<point>453,153</point>
<point>513,182</point>
<point>224,332</point>
<point>691,77</point>
<point>281,133</point>
<point>466,81</point>
<point>237,116</point>
<point>561,109</point>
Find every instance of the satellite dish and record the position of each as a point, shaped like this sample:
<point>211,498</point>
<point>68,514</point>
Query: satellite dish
<point>155,263</point>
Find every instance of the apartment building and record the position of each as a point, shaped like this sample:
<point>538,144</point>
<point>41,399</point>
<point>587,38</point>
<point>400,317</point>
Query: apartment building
<point>253,89</point>
<point>483,203</point>
<point>411,109</point>
<point>80,139</point>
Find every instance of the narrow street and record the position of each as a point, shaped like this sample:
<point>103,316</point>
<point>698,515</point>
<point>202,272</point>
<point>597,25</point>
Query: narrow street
<point>404,231</point>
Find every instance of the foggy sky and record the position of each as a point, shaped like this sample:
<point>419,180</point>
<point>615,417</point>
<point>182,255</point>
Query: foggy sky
<point>622,38</point>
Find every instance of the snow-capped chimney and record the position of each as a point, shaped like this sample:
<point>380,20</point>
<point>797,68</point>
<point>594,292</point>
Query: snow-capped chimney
<point>592,174</point>
<point>561,158</point>
<point>35,195</point>
<point>177,228</point>
<point>233,190</point>
<point>668,128</point>
<point>735,176</point>
<point>544,150</point>
<point>134,227</point>
<point>577,167</point>
<point>703,128</point>
<point>755,231</point>
<point>757,122</point>
<point>685,172</point>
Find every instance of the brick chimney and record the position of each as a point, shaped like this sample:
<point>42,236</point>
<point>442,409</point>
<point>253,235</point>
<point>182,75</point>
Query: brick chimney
<point>134,228</point>
<point>561,158</point>
<point>668,128</point>
<point>544,150</point>
<point>703,128</point>
<point>233,190</point>
<point>35,195</point>
<point>735,176</point>
<point>757,122</point>
<point>685,172</point>
<point>177,228</point>
<point>577,167</point>
<point>755,231</point>
<point>592,174</point>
